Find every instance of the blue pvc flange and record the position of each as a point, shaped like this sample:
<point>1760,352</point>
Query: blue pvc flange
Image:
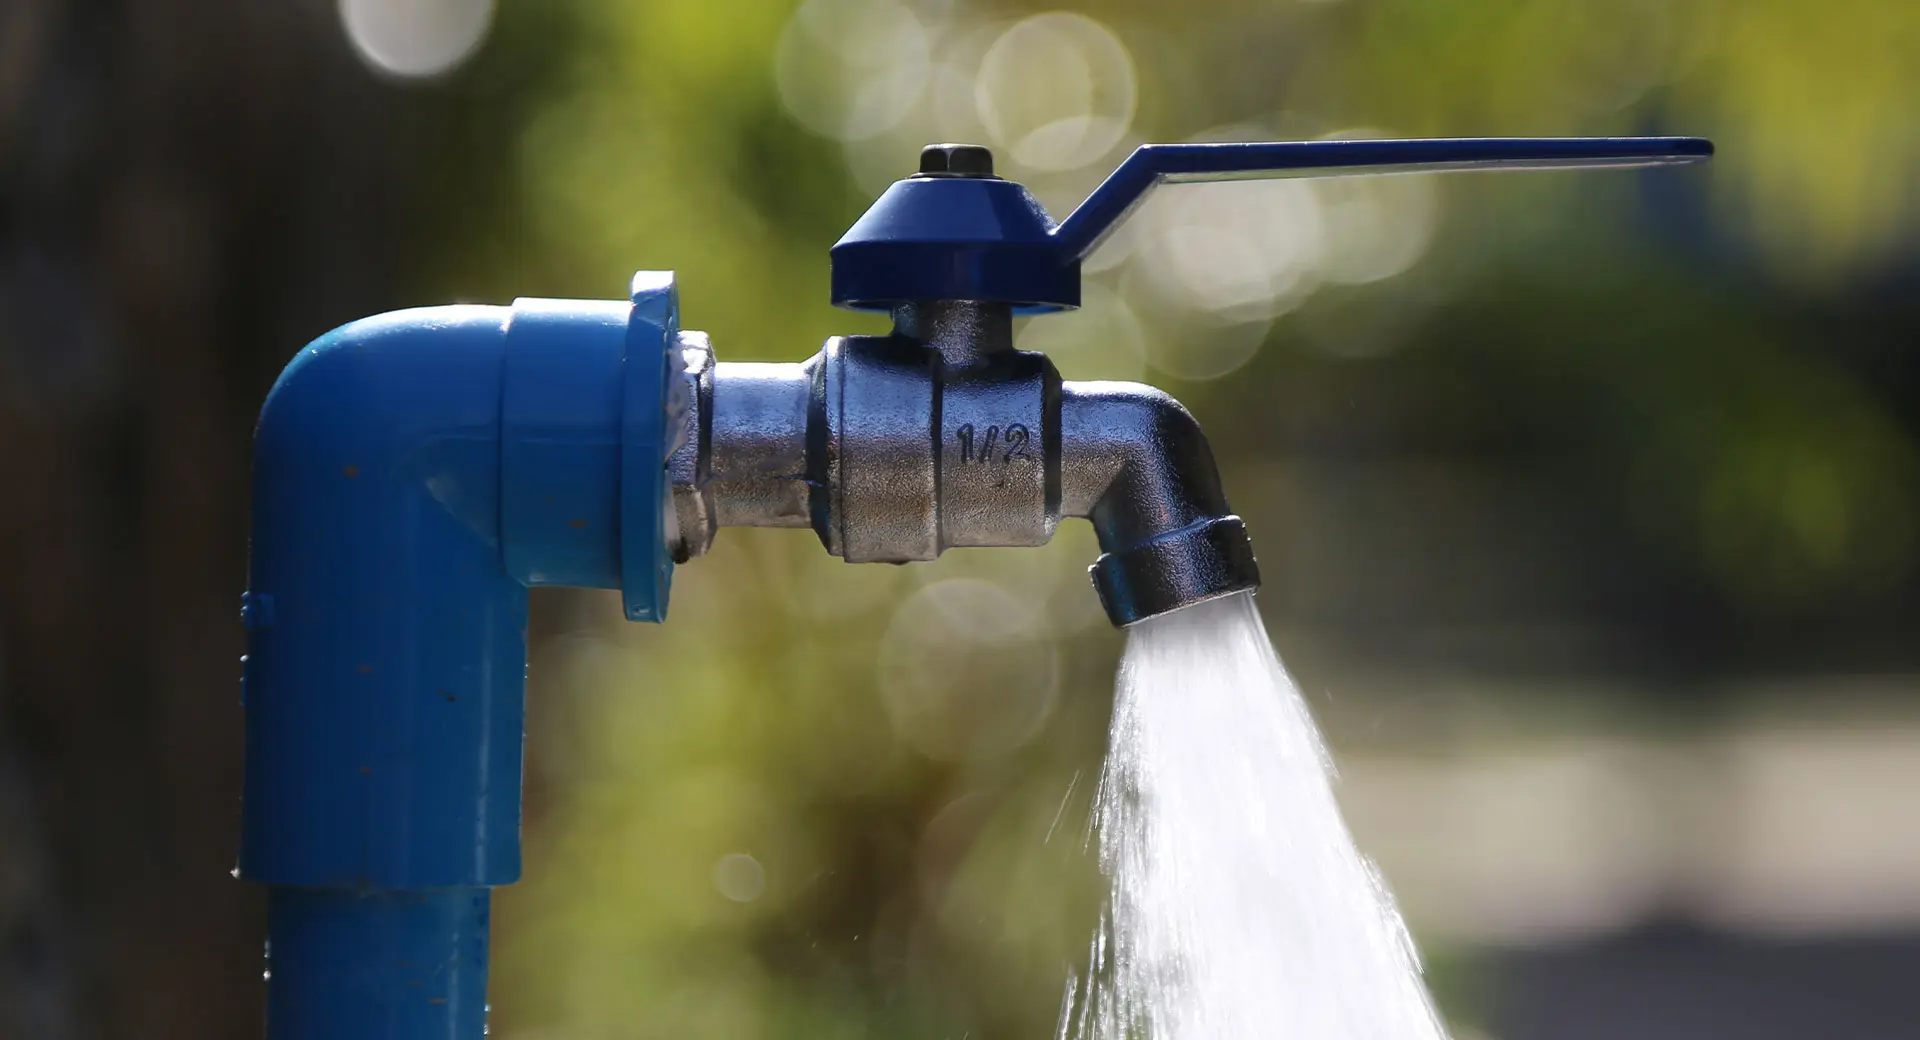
<point>653,332</point>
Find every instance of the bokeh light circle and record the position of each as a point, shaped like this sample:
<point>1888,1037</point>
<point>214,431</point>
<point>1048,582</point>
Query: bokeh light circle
<point>1180,337</point>
<point>850,69</point>
<point>740,877</point>
<point>1101,340</point>
<point>415,38</point>
<point>1373,228</point>
<point>1241,251</point>
<point>944,112</point>
<point>967,670</point>
<point>1056,91</point>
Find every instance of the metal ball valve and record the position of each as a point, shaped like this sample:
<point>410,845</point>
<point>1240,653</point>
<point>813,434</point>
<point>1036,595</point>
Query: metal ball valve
<point>894,448</point>
<point>416,472</point>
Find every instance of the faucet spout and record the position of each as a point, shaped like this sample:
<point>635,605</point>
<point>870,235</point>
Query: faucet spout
<point>1136,464</point>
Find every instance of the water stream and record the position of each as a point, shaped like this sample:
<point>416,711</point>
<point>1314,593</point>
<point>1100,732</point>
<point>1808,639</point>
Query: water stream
<point>1240,908</point>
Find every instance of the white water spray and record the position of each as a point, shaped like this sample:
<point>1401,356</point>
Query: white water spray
<point>1241,909</point>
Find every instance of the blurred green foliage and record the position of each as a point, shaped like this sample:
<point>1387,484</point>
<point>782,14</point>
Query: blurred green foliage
<point>1582,371</point>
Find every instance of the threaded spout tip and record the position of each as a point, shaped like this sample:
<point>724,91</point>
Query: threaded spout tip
<point>1196,563</point>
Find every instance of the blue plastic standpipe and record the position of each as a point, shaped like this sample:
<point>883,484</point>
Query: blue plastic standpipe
<point>345,963</point>
<point>981,238</point>
<point>414,473</point>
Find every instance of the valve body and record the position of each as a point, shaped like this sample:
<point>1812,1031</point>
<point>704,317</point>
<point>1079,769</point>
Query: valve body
<point>896,448</point>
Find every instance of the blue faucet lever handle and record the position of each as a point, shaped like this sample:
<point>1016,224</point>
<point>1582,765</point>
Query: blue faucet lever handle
<point>1153,164</point>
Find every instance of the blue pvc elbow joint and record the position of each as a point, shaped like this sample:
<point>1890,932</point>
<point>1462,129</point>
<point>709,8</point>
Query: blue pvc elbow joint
<point>414,474</point>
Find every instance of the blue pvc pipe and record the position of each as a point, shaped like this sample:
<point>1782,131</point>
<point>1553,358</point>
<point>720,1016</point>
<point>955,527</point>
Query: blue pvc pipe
<point>413,474</point>
<point>343,963</point>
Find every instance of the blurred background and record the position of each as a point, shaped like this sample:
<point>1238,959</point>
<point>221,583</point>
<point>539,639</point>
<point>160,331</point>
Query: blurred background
<point>1588,503</point>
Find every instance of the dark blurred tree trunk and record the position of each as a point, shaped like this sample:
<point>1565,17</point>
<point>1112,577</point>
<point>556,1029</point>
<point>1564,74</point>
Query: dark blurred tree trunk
<point>189,189</point>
